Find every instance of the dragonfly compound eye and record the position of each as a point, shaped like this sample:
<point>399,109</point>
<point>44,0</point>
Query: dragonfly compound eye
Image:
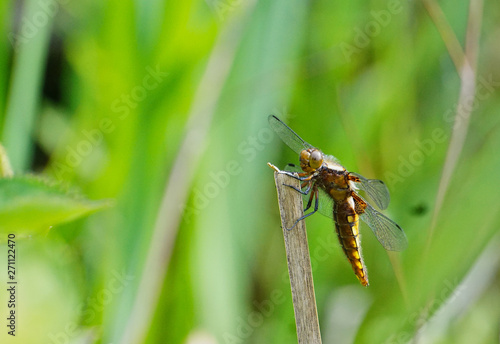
<point>316,159</point>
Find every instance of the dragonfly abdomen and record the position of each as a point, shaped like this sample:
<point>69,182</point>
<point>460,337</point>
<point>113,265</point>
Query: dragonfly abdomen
<point>347,227</point>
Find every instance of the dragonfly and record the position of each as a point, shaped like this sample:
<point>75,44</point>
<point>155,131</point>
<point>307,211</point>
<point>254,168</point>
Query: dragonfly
<point>335,193</point>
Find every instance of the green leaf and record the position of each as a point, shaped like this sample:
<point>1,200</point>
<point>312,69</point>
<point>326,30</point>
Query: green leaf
<point>31,205</point>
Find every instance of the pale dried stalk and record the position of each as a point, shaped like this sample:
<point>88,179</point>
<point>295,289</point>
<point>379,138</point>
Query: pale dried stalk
<point>466,68</point>
<point>298,260</point>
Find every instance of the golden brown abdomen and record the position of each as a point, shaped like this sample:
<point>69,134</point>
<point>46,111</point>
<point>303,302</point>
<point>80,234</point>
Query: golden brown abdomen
<point>347,226</point>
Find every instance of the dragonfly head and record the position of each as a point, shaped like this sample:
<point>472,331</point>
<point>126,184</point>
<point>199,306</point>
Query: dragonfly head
<point>311,159</point>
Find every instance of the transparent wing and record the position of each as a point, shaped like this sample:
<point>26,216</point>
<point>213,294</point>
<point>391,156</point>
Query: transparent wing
<point>375,189</point>
<point>325,201</point>
<point>293,168</point>
<point>287,135</point>
<point>388,232</point>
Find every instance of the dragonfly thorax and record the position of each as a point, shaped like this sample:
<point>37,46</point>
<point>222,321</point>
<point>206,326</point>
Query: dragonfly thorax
<point>311,159</point>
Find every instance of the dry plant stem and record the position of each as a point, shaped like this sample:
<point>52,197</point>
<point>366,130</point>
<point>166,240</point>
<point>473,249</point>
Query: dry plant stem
<point>467,73</point>
<point>298,260</point>
<point>449,38</point>
<point>466,68</point>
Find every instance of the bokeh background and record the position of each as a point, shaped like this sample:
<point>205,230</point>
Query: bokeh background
<point>161,107</point>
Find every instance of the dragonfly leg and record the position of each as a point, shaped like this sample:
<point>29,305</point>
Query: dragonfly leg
<point>316,207</point>
<point>299,176</point>
<point>306,191</point>
<point>309,202</point>
<point>302,176</point>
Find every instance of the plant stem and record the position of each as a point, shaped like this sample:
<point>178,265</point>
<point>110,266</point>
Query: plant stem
<point>298,260</point>
<point>25,88</point>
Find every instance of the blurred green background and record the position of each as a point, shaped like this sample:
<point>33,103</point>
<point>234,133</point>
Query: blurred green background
<point>162,107</point>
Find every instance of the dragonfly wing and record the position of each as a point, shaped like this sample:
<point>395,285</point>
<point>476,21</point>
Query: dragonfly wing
<point>325,203</point>
<point>375,189</point>
<point>293,168</point>
<point>388,232</point>
<point>287,135</point>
